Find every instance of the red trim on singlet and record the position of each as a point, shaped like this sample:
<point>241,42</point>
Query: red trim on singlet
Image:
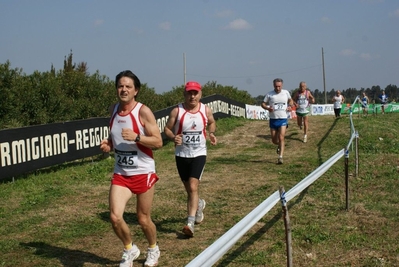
<point>179,130</point>
<point>145,149</point>
<point>135,129</point>
<point>306,95</point>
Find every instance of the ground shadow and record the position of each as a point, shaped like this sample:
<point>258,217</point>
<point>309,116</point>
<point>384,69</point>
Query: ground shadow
<point>288,136</point>
<point>129,217</point>
<point>166,226</point>
<point>319,144</point>
<point>264,136</point>
<point>68,257</point>
<point>242,248</point>
<point>291,136</point>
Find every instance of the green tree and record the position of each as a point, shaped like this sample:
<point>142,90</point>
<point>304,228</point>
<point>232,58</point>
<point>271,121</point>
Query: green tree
<point>10,79</point>
<point>392,92</point>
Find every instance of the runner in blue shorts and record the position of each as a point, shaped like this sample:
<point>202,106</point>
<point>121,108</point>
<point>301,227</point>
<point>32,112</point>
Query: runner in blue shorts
<point>278,102</point>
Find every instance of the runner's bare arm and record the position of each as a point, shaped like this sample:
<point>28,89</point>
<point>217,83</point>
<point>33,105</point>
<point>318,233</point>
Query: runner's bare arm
<point>152,137</point>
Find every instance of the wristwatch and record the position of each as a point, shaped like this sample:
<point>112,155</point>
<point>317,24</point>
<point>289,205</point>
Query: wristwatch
<point>137,138</point>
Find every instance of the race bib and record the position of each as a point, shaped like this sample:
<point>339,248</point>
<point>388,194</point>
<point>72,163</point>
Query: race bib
<point>192,138</point>
<point>280,106</point>
<point>127,159</point>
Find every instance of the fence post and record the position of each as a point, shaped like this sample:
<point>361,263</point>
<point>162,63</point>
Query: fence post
<point>357,154</point>
<point>347,178</point>
<point>287,226</point>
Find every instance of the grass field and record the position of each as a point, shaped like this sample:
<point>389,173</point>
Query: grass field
<point>59,216</point>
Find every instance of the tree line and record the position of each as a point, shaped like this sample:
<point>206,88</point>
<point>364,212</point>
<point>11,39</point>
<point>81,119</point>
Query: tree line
<point>72,93</point>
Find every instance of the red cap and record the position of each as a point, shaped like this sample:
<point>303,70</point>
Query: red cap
<point>193,86</point>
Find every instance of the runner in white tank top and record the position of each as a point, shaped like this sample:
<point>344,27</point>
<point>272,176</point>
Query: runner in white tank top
<point>302,100</point>
<point>337,100</point>
<point>131,158</point>
<point>192,126</point>
<point>133,134</point>
<point>186,127</point>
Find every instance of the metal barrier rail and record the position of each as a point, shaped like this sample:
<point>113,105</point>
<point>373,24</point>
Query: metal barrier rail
<point>214,252</point>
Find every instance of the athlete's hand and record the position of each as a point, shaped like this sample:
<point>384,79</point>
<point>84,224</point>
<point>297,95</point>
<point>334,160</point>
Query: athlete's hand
<point>106,145</point>
<point>213,139</point>
<point>178,139</point>
<point>128,134</point>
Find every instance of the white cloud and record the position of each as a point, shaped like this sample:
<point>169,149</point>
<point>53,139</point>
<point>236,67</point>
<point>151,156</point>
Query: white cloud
<point>347,52</point>
<point>224,13</point>
<point>98,22</point>
<point>396,13</point>
<point>365,56</point>
<point>238,24</point>
<point>165,25</point>
<point>325,20</point>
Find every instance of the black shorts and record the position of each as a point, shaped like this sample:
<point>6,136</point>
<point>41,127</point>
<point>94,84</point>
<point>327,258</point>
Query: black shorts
<point>190,167</point>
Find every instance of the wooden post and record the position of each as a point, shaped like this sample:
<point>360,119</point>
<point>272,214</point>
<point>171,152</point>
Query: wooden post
<point>287,226</point>
<point>347,178</point>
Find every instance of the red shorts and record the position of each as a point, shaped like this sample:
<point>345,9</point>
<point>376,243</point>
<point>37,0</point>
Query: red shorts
<point>138,184</point>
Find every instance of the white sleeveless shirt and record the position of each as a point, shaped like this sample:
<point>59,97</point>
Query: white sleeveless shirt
<point>131,158</point>
<point>303,102</point>
<point>193,127</point>
<point>337,101</point>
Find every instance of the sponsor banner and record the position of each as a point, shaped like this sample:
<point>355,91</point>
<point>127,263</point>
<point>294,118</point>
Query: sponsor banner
<point>31,148</point>
<point>221,106</point>
<point>371,109</point>
<point>256,113</point>
<point>326,109</point>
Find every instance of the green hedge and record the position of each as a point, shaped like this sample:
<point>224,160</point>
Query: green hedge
<point>74,94</point>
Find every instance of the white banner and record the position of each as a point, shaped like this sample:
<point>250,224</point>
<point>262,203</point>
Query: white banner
<point>256,113</point>
<point>326,109</point>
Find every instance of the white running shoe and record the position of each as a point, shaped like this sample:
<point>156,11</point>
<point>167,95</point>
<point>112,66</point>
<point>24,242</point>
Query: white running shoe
<point>199,215</point>
<point>152,257</point>
<point>188,230</point>
<point>305,138</point>
<point>129,256</point>
<point>280,161</point>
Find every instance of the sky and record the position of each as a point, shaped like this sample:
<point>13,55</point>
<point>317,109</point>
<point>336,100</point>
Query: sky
<point>239,43</point>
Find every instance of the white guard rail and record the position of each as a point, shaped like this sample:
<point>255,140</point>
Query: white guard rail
<point>215,251</point>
